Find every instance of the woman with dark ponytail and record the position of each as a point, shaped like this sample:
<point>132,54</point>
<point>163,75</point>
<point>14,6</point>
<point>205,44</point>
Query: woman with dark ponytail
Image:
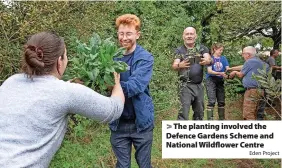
<point>34,104</point>
<point>215,82</point>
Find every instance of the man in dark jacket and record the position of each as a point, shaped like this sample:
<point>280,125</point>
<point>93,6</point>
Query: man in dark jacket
<point>189,62</point>
<point>135,126</point>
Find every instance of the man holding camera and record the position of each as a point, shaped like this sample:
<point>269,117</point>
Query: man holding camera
<point>189,62</point>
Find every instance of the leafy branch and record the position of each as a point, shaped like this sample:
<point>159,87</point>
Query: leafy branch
<point>94,64</point>
<point>271,87</point>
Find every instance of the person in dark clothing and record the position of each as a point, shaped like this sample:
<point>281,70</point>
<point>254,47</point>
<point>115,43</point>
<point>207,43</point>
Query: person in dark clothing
<point>189,62</point>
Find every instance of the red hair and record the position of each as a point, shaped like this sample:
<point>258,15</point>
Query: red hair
<point>130,20</point>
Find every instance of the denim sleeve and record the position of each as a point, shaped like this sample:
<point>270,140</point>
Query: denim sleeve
<point>246,68</point>
<point>139,79</point>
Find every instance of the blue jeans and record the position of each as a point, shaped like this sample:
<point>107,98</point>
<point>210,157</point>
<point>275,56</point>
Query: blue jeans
<point>122,140</point>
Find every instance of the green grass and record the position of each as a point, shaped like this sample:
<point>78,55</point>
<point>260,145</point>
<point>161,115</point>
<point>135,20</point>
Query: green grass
<point>92,149</point>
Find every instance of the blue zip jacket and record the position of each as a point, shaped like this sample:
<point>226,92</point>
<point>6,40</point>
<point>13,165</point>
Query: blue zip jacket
<point>137,88</point>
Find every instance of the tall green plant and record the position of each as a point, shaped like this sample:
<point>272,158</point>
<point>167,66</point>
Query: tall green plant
<point>271,87</point>
<point>234,87</point>
<point>93,63</point>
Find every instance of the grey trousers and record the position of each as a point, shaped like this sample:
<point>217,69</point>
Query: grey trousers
<point>191,94</point>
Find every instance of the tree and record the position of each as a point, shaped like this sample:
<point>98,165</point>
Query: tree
<point>251,18</point>
<point>201,14</point>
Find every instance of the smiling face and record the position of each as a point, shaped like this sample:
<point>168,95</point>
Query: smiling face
<point>127,37</point>
<point>189,36</point>
<point>218,51</point>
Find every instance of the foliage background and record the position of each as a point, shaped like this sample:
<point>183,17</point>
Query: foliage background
<point>235,24</point>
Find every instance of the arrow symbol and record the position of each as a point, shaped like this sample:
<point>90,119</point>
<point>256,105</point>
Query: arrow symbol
<point>168,126</point>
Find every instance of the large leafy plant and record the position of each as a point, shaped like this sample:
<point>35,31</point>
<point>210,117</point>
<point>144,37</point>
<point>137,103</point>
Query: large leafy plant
<point>94,63</point>
<point>267,82</point>
<point>271,87</point>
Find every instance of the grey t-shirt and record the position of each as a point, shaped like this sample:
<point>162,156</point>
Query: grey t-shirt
<point>271,61</point>
<point>34,113</point>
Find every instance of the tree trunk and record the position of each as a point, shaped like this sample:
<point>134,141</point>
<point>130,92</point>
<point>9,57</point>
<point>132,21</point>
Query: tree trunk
<point>276,41</point>
<point>276,37</point>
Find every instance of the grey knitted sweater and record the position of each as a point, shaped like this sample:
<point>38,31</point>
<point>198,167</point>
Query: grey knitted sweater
<point>33,117</point>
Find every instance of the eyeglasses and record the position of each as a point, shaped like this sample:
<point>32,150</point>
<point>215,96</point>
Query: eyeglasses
<point>243,53</point>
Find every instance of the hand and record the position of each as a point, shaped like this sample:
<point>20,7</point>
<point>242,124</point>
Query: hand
<point>205,61</point>
<point>117,78</point>
<point>222,74</point>
<point>110,88</point>
<point>76,80</point>
<point>184,64</point>
<point>226,76</point>
<point>232,74</point>
<point>229,69</point>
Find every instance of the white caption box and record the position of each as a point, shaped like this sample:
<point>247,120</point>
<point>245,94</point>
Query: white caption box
<point>221,139</point>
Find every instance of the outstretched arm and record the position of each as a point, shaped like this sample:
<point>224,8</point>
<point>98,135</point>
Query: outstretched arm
<point>240,74</point>
<point>278,68</point>
<point>236,73</point>
<point>210,71</point>
<point>236,68</point>
<point>88,103</point>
